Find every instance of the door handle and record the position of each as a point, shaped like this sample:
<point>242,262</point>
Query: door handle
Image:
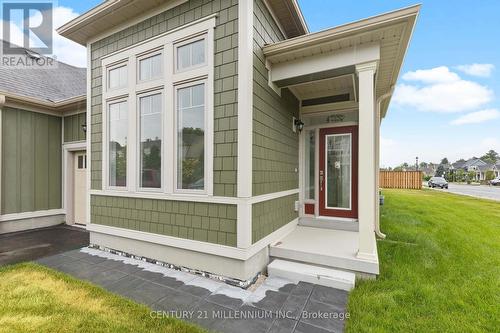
<point>321,178</point>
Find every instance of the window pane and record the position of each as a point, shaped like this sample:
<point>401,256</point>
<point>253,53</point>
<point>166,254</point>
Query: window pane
<point>191,54</point>
<point>150,111</point>
<point>309,165</point>
<point>198,52</point>
<point>150,68</point>
<point>118,129</point>
<point>191,137</point>
<point>118,77</point>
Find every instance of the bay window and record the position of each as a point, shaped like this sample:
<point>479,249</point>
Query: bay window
<point>165,87</point>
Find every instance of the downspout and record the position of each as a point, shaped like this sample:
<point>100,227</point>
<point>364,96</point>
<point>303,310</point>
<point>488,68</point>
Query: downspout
<point>379,103</point>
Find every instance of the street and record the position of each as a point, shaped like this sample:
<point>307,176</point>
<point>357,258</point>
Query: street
<point>478,191</point>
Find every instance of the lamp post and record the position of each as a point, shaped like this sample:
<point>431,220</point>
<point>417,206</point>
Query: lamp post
<point>416,163</point>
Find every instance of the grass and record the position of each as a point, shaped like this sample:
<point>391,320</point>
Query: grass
<point>439,267</point>
<point>36,299</point>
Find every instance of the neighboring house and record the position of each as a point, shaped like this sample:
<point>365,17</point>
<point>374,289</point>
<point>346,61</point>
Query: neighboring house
<point>42,116</point>
<point>288,121</point>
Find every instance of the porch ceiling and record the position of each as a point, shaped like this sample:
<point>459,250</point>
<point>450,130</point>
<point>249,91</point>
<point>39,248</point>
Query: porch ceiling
<point>339,85</point>
<point>389,33</point>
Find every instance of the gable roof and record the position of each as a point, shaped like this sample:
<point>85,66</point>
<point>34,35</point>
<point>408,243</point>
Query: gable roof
<point>113,13</point>
<point>62,82</point>
<point>474,162</point>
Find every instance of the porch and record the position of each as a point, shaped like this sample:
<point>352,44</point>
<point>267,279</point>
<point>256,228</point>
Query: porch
<point>343,78</point>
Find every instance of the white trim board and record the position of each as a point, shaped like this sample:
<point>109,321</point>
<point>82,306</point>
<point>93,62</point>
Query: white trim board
<point>29,215</point>
<point>194,197</point>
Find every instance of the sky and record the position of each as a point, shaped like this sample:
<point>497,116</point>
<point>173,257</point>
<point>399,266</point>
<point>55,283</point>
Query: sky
<point>446,103</point>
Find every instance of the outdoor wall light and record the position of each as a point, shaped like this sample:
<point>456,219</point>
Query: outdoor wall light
<point>84,128</point>
<point>299,124</point>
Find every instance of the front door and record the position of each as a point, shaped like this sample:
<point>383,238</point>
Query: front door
<point>338,172</point>
<point>80,188</point>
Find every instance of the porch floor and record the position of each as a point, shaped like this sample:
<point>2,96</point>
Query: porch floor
<point>325,247</point>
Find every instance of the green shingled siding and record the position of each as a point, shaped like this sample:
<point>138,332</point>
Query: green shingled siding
<point>275,145</point>
<point>73,130</point>
<point>207,222</point>
<point>269,216</point>
<point>225,82</point>
<point>31,161</point>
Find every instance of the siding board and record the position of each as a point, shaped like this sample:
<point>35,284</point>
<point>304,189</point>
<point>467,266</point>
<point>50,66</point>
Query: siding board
<point>73,127</point>
<point>206,222</point>
<point>31,161</point>
<point>275,145</point>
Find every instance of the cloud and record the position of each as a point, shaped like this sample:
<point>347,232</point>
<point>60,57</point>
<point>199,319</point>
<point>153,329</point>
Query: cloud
<point>64,50</point>
<point>481,70</point>
<point>434,75</point>
<point>477,117</point>
<point>440,90</point>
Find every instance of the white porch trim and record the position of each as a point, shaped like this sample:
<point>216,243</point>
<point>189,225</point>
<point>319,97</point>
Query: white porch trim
<point>367,189</point>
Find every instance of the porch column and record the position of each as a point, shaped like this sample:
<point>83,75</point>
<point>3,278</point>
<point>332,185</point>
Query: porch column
<point>367,167</point>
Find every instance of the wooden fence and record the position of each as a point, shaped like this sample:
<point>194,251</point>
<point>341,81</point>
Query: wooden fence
<point>401,179</point>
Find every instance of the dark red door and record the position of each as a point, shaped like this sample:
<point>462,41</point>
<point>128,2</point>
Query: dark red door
<point>338,171</point>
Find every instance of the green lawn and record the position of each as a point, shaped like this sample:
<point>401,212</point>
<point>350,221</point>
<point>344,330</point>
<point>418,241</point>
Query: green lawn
<point>36,299</point>
<point>439,267</point>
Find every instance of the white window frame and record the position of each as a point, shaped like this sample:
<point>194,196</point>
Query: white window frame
<point>205,138</point>
<point>147,55</point>
<point>107,76</point>
<point>138,141</point>
<point>185,42</point>
<point>105,150</point>
<point>166,44</point>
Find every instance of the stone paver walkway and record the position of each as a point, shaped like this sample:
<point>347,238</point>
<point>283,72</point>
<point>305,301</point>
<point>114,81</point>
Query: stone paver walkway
<point>275,306</point>
<point>33,244</point>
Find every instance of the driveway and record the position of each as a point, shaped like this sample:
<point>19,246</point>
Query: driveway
<point>478,191</point>
<point>276,305</point>
<point>33,244</point>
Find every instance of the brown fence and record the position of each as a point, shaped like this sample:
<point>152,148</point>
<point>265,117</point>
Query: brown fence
<point>401,179</point>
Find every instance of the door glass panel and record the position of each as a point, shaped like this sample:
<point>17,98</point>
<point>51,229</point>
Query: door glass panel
<point>338,171</point>
<point>309,164</point>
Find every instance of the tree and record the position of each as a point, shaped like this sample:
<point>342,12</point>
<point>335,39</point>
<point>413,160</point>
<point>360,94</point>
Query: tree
<point>444,161</point>
<point>440,171</point>
<point>423,165</point>
<point>490,157</point>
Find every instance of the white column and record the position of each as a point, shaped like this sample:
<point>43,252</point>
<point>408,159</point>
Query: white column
<point>367,167</point>
<point>245,122</point>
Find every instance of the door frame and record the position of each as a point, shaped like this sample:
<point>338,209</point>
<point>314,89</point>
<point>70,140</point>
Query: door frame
<point>331,212</point>
<point>68,177</point>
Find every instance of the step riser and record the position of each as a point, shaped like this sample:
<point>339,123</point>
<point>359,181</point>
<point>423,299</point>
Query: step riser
<point>313,274</point>
<point>329,224</point>
<point>328,261</point>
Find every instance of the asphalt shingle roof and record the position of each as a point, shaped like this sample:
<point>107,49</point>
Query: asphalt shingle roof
<point>55,84</point>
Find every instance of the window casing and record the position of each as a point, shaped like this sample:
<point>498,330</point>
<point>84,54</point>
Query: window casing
<point>154,161</point>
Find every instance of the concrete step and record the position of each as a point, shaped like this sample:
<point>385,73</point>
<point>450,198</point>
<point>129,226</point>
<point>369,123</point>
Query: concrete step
<point>296,272</point>
<point>330,223</point>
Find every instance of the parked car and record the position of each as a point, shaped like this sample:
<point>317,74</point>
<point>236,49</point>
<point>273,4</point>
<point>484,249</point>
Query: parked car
<point>438,182</point>
<point>495,182</point>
